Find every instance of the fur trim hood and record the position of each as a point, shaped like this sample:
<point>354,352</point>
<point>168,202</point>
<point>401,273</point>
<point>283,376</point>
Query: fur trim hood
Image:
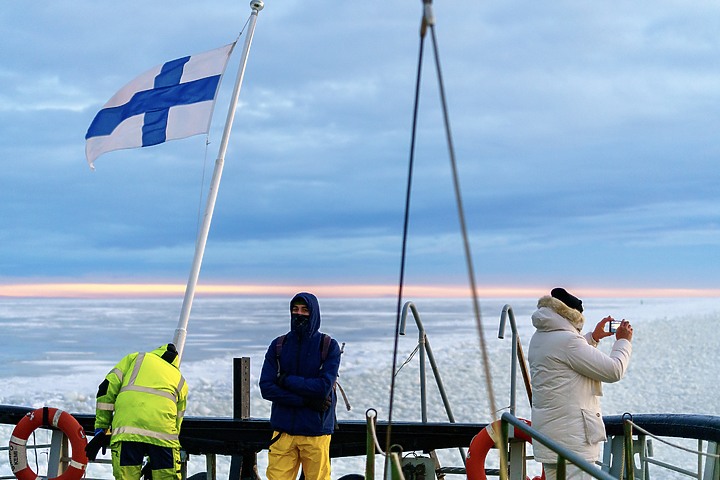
<point>575,318</point>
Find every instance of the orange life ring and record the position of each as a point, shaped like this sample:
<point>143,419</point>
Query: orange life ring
<point>481,444</point>
<point>49,417</point>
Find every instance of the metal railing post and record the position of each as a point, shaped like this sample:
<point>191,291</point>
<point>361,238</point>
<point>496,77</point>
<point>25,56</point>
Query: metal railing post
<point>517,353</point>
<point>564,454</point>
<point>424,346</point>
<point>370,418</point>
<point>628,450</point>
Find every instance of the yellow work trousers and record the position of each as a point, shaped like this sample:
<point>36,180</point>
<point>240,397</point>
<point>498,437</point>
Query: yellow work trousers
<point>288,452</point>
<point>127,461</point>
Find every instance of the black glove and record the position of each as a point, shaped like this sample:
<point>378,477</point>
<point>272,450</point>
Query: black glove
<point>318,404</point>
<point>281,379</point>
<point>146,472</point>
<point>100,440</point>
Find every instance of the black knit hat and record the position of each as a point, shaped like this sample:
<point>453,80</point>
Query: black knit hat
<point>170,354</point>
<point>569,300</point>
<point>298,300</point>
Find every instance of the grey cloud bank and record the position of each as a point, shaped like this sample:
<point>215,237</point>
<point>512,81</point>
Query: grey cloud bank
<point>586,138</point>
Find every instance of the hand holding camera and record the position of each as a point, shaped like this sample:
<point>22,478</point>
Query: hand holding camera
<point>601,330</point>
<point>624,330</point>
<point>613,325</point>
<point>608,326</point>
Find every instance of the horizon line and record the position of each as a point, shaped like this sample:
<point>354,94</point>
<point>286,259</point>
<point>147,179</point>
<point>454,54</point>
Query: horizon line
<point>134,290</point>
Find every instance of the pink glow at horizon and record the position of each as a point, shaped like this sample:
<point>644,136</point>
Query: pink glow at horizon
<point>129,290</point>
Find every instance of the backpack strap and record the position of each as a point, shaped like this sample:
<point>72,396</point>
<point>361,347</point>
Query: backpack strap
<point>278,346</point>
<point>325,346</point>
<point>324,349</point>
<point>278,349</point>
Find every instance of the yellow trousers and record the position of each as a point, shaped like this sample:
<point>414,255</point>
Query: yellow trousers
<point>127,461</point>
<point>288,452</point>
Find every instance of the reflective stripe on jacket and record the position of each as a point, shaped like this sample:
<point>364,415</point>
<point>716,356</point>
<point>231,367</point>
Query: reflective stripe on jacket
<point>145,400</point>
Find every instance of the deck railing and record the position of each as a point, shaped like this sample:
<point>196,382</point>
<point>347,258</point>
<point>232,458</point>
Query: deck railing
<point>424,347</point>
<point>242,437</point>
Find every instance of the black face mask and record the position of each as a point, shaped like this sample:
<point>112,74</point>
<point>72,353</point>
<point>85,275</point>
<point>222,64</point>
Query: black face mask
<point>299,323</point>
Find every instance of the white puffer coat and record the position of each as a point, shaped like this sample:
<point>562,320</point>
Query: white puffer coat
<point>567,372</point>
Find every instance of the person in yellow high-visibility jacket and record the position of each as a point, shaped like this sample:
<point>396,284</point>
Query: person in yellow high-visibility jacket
<point>141,404</point>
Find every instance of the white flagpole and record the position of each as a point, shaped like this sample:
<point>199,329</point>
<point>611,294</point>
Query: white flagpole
<point>181,331</point>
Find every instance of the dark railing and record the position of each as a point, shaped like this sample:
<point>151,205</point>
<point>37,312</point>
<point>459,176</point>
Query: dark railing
<point>227,436</point>
<point>563,453</point>
<point>700,427</point>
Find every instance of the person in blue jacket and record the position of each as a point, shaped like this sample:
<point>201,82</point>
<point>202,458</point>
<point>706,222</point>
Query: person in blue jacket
<point>298,377</point>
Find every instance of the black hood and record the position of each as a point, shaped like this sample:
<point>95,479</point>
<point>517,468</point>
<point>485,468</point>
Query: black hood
<point>313,307</point>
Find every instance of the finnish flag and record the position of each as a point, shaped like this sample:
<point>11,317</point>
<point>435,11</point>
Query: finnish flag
<point>171,101</point>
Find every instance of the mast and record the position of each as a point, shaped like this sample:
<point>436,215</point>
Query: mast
<point>181,330</point>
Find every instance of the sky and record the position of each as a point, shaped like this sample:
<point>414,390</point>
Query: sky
<point>585,136</point>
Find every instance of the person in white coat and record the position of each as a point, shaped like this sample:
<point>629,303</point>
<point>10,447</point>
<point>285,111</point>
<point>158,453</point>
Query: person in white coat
<point>567,372</point>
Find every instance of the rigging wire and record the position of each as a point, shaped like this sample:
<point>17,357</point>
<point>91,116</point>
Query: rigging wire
<point>407,360</point>
<point>463,227</point>
<point>205,157</point>
<point>406,220</point>
<point>675,445</point>
<point>428,20</point>
<point>202,187</point>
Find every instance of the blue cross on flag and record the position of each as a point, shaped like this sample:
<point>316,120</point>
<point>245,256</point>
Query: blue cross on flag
<point>171,101</point>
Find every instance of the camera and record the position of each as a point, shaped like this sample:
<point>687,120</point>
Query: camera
<point>613,325</point>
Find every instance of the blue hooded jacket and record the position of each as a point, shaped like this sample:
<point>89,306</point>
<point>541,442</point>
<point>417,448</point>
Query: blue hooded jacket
<point>305,376</point>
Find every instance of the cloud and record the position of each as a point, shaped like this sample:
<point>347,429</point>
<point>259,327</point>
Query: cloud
<point>41,94</point>
<point>584,135</point>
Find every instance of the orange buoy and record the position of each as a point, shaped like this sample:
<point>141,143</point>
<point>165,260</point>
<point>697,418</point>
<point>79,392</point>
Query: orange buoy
<point>481,444</point>
<point>48,417</point>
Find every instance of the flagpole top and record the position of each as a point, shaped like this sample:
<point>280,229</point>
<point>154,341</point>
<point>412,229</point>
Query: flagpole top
<point>257,5</point>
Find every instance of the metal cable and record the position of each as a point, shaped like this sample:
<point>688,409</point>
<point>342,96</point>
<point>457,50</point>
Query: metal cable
<point>689,450</point>
<point>466,243</point>
<point>463,228</point>
<point>407,360</point>
<point>406,221</point>
<point>428,20</point>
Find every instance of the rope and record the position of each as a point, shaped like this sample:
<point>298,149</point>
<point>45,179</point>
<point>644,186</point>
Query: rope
<point>375,439</point>
<point>344,396</point>
<point>205,159</point>
<point>202,187</point>
<point>689,450</point>
<point>37,466</point>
